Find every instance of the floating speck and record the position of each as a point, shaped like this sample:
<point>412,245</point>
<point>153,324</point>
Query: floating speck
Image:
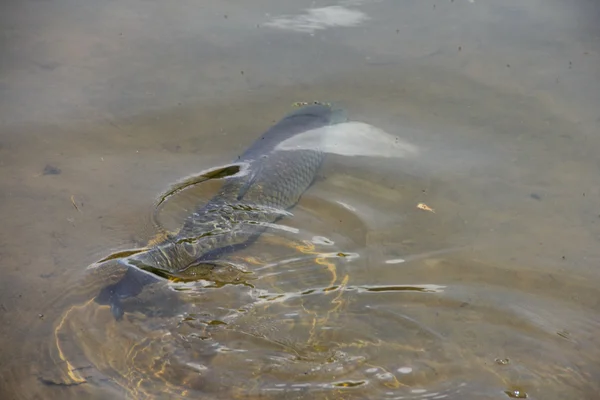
<point>516,394</point>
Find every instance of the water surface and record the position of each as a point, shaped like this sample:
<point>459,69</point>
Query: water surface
<point>494,295</point>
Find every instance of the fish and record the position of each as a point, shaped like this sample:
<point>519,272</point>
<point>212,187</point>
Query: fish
<point>267,183</point>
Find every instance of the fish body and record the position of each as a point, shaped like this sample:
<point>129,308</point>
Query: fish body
<point>272,183</point>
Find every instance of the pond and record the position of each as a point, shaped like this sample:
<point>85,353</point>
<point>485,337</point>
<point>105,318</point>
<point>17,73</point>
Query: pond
<point>458,261</point>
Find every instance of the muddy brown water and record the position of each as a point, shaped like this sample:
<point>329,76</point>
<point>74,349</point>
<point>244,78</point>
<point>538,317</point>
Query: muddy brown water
<point>494,295</point>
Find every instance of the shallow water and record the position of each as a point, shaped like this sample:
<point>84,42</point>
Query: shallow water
<point>494,295</point>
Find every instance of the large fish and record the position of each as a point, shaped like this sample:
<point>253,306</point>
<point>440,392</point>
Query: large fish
<point>270,182</point>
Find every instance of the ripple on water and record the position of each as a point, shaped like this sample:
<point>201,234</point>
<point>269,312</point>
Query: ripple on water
<point>321,315</point>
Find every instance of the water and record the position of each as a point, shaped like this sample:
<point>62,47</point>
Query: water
<point>492,296</point>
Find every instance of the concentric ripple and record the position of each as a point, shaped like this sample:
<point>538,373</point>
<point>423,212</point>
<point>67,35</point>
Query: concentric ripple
<point>318,314</point>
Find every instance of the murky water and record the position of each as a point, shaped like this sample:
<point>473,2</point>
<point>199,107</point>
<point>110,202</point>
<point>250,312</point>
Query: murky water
<point>493,295</point>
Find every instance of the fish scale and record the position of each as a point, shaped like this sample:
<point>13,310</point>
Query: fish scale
<point>247,202</point>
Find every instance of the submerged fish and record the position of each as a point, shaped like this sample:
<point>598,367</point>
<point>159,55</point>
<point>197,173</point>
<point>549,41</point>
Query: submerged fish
<point>270,183</point>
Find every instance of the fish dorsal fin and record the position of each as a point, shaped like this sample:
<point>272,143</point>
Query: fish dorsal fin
<point>215,173</point>
<point>183,197</point>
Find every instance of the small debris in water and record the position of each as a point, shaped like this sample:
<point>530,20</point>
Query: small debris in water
<point>40,316</point>
<point>535,196</point>
<point>425,207</point>
<point>516,394</point>
<point>348,384</point>
<point>502,361</point>
<point>74,203</point>
<point>51,170</point>
<point>564,334</point>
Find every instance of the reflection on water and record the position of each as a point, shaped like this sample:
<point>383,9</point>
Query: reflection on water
<point>319,18</point>
<point>105,106</point>
<point>322,316</point>
<point>322,313</point>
